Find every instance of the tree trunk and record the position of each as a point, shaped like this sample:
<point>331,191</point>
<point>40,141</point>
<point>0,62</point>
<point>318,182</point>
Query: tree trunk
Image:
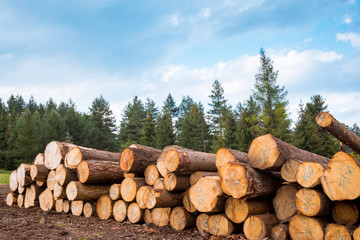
<point>180,219</point>
<point>78,191</point>
<point>66,206</point>
<point>311,202</point>
<point>220,225</point>
<point>50,181</point>
<point>39,173</point>
<point>11,199</point>
<point>129,188</point>
<point>59,204</point>
<point>159,184</point>
<point>259,226</point>
<point>78,154</point>
<point>309,174</point>
<point>23,175</point>
<point>136,158</point>
<point>177,182</point>
<point>160,163</point>
<point>151,173</point>
<point>338,130</point>
<point>99,172</point>
<point>240,180</point>
<point>104,207</point>
<point>46,200</point>
<point>55,152</point>
<point>140,196</point>
<point>161,199</point>
<point>120,210</point>
<point>194,177</point>
<point>336,231</point>
<point>284,202</point>
<point>269,153</point>
<point>345,172</point>
<point>13,181</point>
<point>186,160</point>
<point>77,207</point>
<point>160,216</point>
<point>345,212</point>
<point>39,159</point>
<point>187,203</point>
<point>64,175</point>
<point>289,169</point>
<point>114,191</point>
<point>147,216</point>
<point>280,232</point>
<point>59,192</point>
<point>238,210</point>
<point>202,222</point>
<point>303,227</point>
<point>20,200</point>
<point>225,155</point>
<point>32,196</point>
<point>134,213</point>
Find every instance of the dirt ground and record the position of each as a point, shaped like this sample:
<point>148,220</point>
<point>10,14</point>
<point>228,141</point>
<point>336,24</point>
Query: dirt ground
<point>17,223</point>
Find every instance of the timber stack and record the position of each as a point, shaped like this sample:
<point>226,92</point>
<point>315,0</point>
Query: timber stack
<point>274,191</point>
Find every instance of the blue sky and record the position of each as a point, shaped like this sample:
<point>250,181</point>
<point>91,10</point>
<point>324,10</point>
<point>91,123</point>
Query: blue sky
<point>80,49</point>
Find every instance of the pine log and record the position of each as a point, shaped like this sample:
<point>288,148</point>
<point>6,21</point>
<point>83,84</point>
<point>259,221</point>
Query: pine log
<point>39,159</point>
<point>59,205</point>
<point>13,181</point>
<point>120,210</point>
<point>78,191</point>
<point>129,188</point>
<point>89,209</point>
<point>180,219</point>
<point>259,226</point>
<point>160,163</point>
<point>309,174</point>
<point>269,153</point>
<point>77,207</point>
<point>194,177</point>
<point>147,216</point>
<point>356,233</point>
<point>225,155</point>
<point>114,191</point>
<point>46,200</point>
<point>326,121</point>
<point>160,216</point>
<point>99,172</point>
<point>39,173</point>
<point>59,192</point>
<point>336,231</point>
<point>20,200</point>
<point>55,152</point>
<point>151,173</point>
<point>202,222</point>
<point>289,169</point>
<point>220,225</point>
<point>136,158</point>
<point>140,196</point>
<point>50,181</point>
<point>303,227</point>
<point>11,199</point>
<point>186,160</point>
<point>341,180</point>
<point>21,189</point>
<point>159,184</point>
<point>23,175</point>
<point>134,213</point>
<point>161,199</point>
<point>187,203</point>
<point>32,196</point>
<point>66,206</point>
<point>284,202</point>
<point>78,154</point>
<point>345,212</point>
<point>177,182</point>
<point>64,175</point>
<point>206,195</point>
<point>104,207</point>
<point>238,210</point>
<point>280,232</point>
<point>311,202</point>
<point>240,180</point>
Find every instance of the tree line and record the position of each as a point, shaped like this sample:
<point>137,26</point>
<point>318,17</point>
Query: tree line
<point>26,127</point>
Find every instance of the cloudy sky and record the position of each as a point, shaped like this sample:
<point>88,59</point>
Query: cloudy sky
<point>80,49</point>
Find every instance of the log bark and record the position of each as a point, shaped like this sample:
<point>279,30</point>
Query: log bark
<point>187,160</point>
<point>345,212</point>
<point>280,232</point>
<point>284,202</point>
<point>240,180</point>
<point>11,199</point>
<point>187,203</point>
<point>99,172</point>
<point>66,206</point>
<point>327,122</point>
<point>160,216</point>
<point>161,199</point>
<point>238,210</point>
<point>59,192</point>
<point>39,173</point>
<point>50,181</point>
<point>32,196</point>
<point>225,155</point>
<point>303,227</point>
<point>336,231</point>
<point>78,191</point>
<point>259,226</point>
<point>104,207</point>
<point>46,200</point>
<point>147,216</point>
<point>289,169</point>
<point>55,152</point>
<point>64,175</point>
<point>180,219</point>
<point>136,158</point>
<point>340,180</point>
<point>311,202</point>
<point>59,204</point>
<point>160,163</point>
<point>220,225</point>
<point>20,200</point>
<point>78,154</point>
<point>140,196</point>
<point>202,222</point>
<point>129,188</point>
<point>177,182</point>
<point>120,210</point>
<point>114,191</point>
<point>77,207</point>
<point>309,174</point>
<point>151,173</point>
<point>39,159</point>
<point>159,184</point>
<point>194,177</point>
<point>23,175</point>
<point>13,181</point>
<point>134,213</point>
<point>269,153</point>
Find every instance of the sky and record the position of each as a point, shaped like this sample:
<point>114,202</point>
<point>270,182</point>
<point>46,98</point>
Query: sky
<point>81,49</point>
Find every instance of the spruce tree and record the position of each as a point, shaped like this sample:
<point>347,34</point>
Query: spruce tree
<point>148,131</point>
<point>170,106</point>
<point>230,131</point>
<point>32,105</point>
<point>74,122</point>
<point>164,130</point>
<point>3,133</point>
<point>53,127</point>
<point>184,107</point>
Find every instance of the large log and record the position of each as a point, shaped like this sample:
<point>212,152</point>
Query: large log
<point>64,175</point>
<point>11,199</point>
<point>225,155</point>
<point>134,213</point>
<point>77,207</point>
<point>240,180</point>
<point>336,231</point>
<point>78,191</point>
<point>66,206</point>
<point>114,191</point>
<point>136,158</point>
<point>345,212</point>
<point>187,160</point>
<point>104,207</point>
<point>338,130</point>
<point>46,200</point>
<point>341,180</point>
<point>284,202</point>
<point>202,222</point>
<point>120,210</point>
<point>220,225</point>
<point>78,154</point>
<point>303,227</point>
<point>177,182</point>
<point>194,177</point>
<point>140,196</point>
<point>59,191</point>
<point>187,202</point>
<point>311,202</point>
<point>161,199</point>
<point>23,175</point>
<point>280,232</point>
<point>289,169</point>
<point>39,173</point>
<point>32,196</point>
<point>13,181</point>
<point>129,188</point>
<point>269,153</point>
<point>160,216</point>
<point>180,219</point>
<point>309,174</point>
<point>50,181</point>
<point>259,226</point>
<point>39,159</point>
<point>99,172</point>
<point>160,163</point>
<point>55,153</point>
<point>151,173</point>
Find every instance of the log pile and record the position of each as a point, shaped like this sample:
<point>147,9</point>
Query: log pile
<point>274,191</point>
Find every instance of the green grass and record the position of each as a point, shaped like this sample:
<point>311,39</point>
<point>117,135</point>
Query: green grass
<point>4,176</point>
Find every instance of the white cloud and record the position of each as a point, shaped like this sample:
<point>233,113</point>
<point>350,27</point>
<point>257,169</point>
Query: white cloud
<point>347,20</point>
<point>205,13</point>
<point>354,38</point>
<point>176,19</point>
<point>307,40</point>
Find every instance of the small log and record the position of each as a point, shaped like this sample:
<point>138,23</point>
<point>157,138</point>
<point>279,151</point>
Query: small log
<point>240,180</point>
<point>140,196</point>
<point>225,155</point>
<point>64,175</point>
<point>78,191</point>
<point>20,200</point>
<point>160,216</point>
<point>120,210</point>
<point>13,181</point>
<point>311,202</point>
<point>55,152</point>
<point>11,199</point>
<point>259,226</point>
<point>177,182</point>
<point>161,199</point>
<point>21,189</point>
<point>336,231</point>
<point>309,174</point>
<point>39,159</point>
<point>99,172</point>
<point>104,207</point>
<point>129,188</point>
<point>114,191</point>
<point>220,225</point>
<point>59,192</point>
<point>187,160</point>
<point>147,216</point>
<point>303,227</point>
<point>356,233</point>
<point>160,163</point>
<point>202,222</point>
<point>77,207</point>
<point>289,169</point>
<point>238,210</point>
<point>180,219</point>
<point>206,195</point>
<point>50,181</point>
<point>40,184</point>
<point>39,173</point>
<point>23,175</point>
<point>89,209</point>
<point>46,200</point>
<point>284,202</point>
<point>194,177</point>
<point>159,184</point>
<point>134,213</point>
<point>280,232</point>
<point>78,154</point>
<point>187,203</point>
<point>66,206</point>
<point>345,212</point>
<point>269,153</point>
<point>151,173</point>
<point>345,172</point>
<point>59,205</point>
<point>136,158</point>
<point>32,196</point>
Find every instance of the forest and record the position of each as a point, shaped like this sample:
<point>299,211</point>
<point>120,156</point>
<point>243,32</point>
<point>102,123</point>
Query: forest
<point>26,127</point>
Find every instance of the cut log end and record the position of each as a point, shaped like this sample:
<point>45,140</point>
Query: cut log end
<point>345,212</point>
<point>11,199</point>
<point>126,159</point>
<point>39,159</point>
<point>129,188</point>
<point>220,225</point>
<point>147,216</point>
<point>134,213</point>
<point>83,171</point>
<point>324,119</point>
<point>311,202</point>
<point>151,174</point>
<point>202,222</point>
<point>234,180</point>
<point>259,226</point>
<point>89,209</point>
<point>55,153</point>
<point>104,207</point>
<point>66,206</point>
<point>289,169</point>
<point>309,174</point>
<point>59,205</point>
<point>120,210</point>
<point>187,203</point>
<point>160,216</point>
<point>46,200</point>
<point>284,202</point>
<point>13,181</point>
<point>20,200</point>
<point>73,158</point>
<point>140,196</point>
<point>280,232</point>
<point>336,231</point>
<point>77,207</point>
<point>114,192</point>
<point>50,181</point>
<point>180,219</point>
<point>172,160</point>
<point>303,227</point>
<point>225,155</point>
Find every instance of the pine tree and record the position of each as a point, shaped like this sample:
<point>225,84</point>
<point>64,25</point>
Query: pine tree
<point>53,128</point>
<point>170,106</point>
<point>184,107</point>
<point>148,131</point>
<point>230,131</point>
<point>32,105</point>
<point>74,122</point>
<point>164,130</point>
<point>3,134</point>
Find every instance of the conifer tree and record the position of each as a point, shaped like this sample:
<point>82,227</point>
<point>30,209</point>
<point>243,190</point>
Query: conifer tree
<point>3,133</point>
<point>230,131</point>
<point>164,130</point>
<point>148,131</point>
<point>32,105</point>
<point>53,127</point>
<point>170,106</point>
<point>74,122</point>
<point>184,107</point>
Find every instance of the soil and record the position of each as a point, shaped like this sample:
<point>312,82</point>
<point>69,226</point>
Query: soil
<point>33,223</point>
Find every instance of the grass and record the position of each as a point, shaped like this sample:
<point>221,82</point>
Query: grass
<point>4,176</point>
